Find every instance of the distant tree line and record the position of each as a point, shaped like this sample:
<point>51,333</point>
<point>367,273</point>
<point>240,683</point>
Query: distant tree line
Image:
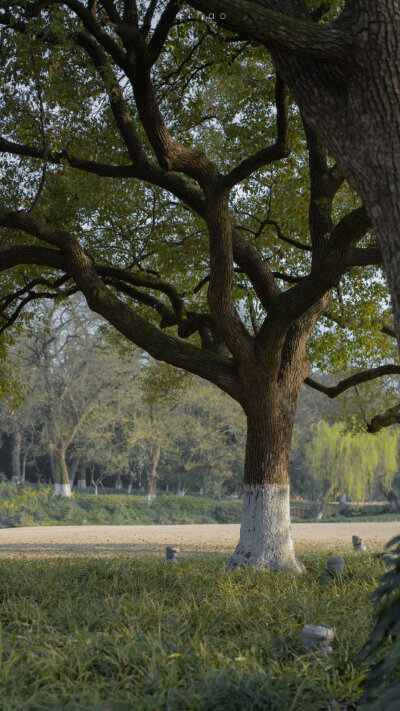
<point>86,411</point>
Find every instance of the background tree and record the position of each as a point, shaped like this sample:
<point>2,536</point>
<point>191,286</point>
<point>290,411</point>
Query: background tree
<point>68,379</point>
<point>344,462</point>
<point>156,114</point>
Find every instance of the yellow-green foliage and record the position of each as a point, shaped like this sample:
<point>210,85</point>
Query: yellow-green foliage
<point>352,463</point>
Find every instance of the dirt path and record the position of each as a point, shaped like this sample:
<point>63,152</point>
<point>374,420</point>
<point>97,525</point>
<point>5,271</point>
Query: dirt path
<point>138,541</point>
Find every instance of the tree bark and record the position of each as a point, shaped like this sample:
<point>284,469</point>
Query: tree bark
<point>265,533</point>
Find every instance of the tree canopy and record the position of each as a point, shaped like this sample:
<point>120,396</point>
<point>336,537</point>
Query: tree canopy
<point>340,60</point>
<point>156,164</point>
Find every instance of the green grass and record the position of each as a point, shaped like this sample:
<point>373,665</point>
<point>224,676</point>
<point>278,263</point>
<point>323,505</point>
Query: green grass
<point>124,635</point>
<point>30,505</point>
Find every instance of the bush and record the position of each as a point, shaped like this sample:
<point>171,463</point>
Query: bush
<point>383,645</point>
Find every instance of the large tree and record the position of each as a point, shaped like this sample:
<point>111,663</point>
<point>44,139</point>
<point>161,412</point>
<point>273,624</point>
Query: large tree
<point>344,74</point>
<point>138,93</point>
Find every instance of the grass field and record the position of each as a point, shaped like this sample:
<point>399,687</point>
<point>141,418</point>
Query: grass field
<point>121,634</point>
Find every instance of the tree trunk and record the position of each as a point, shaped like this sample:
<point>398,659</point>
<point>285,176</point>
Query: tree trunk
<point>24,458</point>
<point>65,487</point>
<point>130,483</point>
<point>329,494</point>
<point>16,457</point>
<point>59,470</point>
<point>53,467</point>
<point>265,533</point>
<point>391,497</point>
<point>82,476</point>
<point>118,481</point>
<point>74,469</point>
<point>152,474</point>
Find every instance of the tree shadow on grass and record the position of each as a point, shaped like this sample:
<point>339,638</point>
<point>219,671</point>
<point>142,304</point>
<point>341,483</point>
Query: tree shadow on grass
<point>101,550</point>
<point>227,691</point>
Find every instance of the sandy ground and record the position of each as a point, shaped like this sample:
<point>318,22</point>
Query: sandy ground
<point>139,541</point>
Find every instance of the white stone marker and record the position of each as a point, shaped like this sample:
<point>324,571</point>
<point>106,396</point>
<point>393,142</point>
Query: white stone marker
<point>317,637</point>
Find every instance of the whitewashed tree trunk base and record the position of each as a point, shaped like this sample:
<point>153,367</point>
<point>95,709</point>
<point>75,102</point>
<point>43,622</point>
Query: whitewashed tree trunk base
<point>62,489</point>
<point>265,534</point>
<point>82,484</point>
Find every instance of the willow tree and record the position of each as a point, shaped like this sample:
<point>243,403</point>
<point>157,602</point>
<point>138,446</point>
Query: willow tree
<point>136,173</point>
<point>352,463</point>
<point>344,73</point>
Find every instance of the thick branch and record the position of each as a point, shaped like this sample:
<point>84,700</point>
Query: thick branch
<point>364,257</point>
<point>279,32</point>
<point>246,256</point>
<point>31,254</point>
<point>95,30</point>
<point>100,299</point>
<point>356,379</point>
<point>386,419</point>
<point>349,230</point>
<point>161,31</point>
<point>117,103</point>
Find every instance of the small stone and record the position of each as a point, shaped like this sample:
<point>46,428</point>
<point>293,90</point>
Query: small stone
<point>358,543</point>
<point>390,559</point>
<point>335,566</point>
<point>317,637</point>
<point>170,554</point>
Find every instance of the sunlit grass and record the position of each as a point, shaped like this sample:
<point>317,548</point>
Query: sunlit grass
<point>119,634</point>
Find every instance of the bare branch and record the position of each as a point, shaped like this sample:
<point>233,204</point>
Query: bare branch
<point>280,149</point>
<point>145,28</point>
<point>95,30</point>
<point>146,281</point>
<point>161,31</point>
